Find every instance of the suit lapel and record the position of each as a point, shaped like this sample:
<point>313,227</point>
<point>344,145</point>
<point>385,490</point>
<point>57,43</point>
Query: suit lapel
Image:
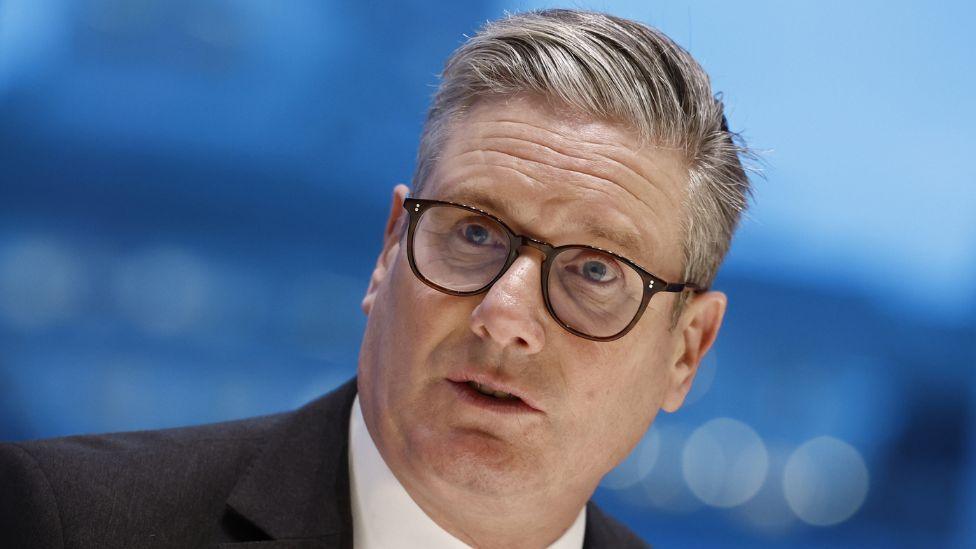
<point>605,532</point>
<point>297,489</point>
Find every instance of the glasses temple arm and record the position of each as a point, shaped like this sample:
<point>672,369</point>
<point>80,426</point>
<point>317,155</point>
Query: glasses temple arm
<point>682,286</point>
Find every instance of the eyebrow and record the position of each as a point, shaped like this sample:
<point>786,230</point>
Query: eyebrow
<point>629,242</point>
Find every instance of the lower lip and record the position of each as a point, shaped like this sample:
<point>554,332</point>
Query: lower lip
<point>471,396</point>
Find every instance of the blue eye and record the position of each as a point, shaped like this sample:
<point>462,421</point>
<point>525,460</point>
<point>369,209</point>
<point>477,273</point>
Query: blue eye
<point>595,271</point>
<point>476,234</point>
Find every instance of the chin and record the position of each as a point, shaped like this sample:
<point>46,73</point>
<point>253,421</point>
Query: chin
<point>479,463</point>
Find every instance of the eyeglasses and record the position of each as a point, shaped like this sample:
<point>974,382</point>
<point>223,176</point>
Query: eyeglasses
<point>593,293</point>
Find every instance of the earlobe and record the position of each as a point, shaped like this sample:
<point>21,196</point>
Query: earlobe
<point>391,246</point>
<point>698,328</point>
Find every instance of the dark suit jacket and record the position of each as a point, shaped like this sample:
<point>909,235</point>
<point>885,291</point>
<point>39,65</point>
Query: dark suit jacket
<point>278,481</point>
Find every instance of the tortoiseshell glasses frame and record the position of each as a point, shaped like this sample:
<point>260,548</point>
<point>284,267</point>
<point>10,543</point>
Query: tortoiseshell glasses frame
<point>651,283</point>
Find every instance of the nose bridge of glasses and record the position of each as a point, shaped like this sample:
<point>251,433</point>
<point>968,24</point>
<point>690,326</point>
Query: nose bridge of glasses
<point>544,248</point>
<point>520,242</point>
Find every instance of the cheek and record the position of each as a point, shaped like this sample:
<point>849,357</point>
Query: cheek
<point>619,387</point>
<point>392,332</point>
<point>416,319</point>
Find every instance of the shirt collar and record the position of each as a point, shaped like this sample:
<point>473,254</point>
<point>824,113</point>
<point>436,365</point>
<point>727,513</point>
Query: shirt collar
<point>384,514</point>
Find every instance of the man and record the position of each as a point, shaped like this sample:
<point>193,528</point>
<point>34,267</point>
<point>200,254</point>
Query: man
<point>539,296</point>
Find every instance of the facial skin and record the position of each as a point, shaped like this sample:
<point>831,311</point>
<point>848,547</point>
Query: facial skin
<point>519,480</point>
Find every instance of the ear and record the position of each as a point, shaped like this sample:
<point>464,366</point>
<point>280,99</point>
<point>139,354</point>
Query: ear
<point>697,329</point>
<point>391,245</point>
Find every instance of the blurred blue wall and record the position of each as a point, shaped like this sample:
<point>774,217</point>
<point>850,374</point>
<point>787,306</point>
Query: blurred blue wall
<point>192,194</point>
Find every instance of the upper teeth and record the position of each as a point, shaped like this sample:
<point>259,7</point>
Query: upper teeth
<point>485,390</point>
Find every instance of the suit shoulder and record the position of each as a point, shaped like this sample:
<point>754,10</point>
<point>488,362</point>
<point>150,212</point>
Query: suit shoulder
<point>241,429</point>
<point>92,486</point>
<point>120,457</point>
<point>29,514</point>
<point>604,531</point>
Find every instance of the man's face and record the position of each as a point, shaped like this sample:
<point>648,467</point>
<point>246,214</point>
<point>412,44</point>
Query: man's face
<point>585,403</point>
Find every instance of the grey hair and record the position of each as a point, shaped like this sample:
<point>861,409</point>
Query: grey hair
<point>616,70</point>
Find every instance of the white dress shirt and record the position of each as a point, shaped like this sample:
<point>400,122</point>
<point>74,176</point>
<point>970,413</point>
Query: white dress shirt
<point>384,516</point>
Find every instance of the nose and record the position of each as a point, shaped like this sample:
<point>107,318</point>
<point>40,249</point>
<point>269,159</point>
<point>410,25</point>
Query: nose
<point>510,312</point>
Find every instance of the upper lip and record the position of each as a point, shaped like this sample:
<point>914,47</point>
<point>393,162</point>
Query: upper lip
<point>492,382</point>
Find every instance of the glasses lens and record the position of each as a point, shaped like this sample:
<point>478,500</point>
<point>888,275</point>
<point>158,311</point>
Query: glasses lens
<point>594,292</point>
<point>459,249</point>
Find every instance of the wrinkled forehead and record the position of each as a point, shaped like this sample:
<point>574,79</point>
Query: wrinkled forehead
<point>560,175</point>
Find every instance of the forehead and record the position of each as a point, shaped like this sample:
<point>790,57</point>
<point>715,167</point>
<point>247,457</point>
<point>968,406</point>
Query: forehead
<point>559,176</point>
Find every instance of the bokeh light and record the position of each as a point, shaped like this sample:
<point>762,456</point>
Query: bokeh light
<point>164,291</point>
<point>41,283</point>
<point>825,481</point>
<point>724,462</point>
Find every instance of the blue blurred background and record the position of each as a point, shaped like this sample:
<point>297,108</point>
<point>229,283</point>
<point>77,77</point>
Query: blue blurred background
<point>192,194</point>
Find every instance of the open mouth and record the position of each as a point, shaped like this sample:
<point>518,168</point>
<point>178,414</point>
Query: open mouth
<point>491,399</point>
<point>487,391</point>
